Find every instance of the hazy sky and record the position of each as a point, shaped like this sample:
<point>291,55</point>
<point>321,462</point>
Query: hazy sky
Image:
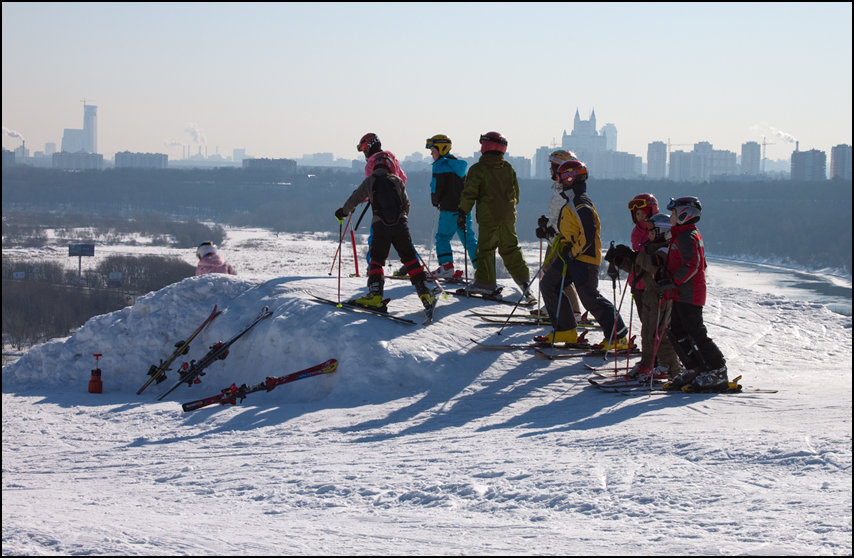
<point>283,80</point>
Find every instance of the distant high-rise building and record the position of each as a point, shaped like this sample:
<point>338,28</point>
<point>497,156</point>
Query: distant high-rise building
<point>610,133</point>
<point>751,157</point>
<point>809,165</point>
<point>49,148</point>
<point>90,128</point>
<point>840,162</point>
<point>656,160</point>
<point>702,164</point>
<point>86,140</point>
<point>541,163</point>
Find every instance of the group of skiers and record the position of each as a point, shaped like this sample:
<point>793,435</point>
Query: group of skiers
<point>666,261</point>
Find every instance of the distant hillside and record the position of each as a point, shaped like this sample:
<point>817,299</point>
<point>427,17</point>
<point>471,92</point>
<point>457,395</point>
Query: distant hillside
<point>799,224</point>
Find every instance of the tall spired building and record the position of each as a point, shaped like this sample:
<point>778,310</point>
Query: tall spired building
<point>584,140</point>
<point>86,140</point>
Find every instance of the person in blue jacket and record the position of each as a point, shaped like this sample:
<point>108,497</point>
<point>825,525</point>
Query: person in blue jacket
<point>445,187</point>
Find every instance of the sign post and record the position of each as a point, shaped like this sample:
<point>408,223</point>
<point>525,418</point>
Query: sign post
<point>80,250</point>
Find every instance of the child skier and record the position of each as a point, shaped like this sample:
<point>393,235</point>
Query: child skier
<point>445,188</point>
<point>645,265</point>
<point>547,225</point>
<point>705,366</point>
<point>371,147</point>
<point>492,184</point>
<point>576,253</point>
<point>390,205</point>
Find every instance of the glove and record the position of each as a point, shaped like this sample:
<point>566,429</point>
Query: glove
<point>461,219</point>
<point>623,255</point>
<point>339,214</point>
<point>434,199</point>
<point>664,287</point>
<point>543,221</point>
<point>543,232</point>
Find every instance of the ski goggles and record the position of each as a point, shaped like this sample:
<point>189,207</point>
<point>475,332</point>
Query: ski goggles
<point>501,141</point>
<point>638,203</point>
<point>435,142</point>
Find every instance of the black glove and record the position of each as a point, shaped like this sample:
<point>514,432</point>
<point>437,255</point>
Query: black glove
<point>461,219</point>
<point>339,214</point>
<point>434,199</point>
<point>543,221</point>
<point>623,255</point>
<point>543,232</point>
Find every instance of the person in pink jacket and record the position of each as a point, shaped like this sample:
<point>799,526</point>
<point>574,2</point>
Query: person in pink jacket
<point>210,261</point>
<point>372,148</point>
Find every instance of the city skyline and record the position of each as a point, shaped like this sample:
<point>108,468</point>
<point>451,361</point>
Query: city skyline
<point>286,80</point>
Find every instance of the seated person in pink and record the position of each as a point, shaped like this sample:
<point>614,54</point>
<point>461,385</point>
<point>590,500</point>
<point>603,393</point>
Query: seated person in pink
<point>210,261</point>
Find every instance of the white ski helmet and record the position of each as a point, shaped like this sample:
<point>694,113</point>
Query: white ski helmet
<point>660,223</point>
<point>687,209</point>
<point>204,249</point>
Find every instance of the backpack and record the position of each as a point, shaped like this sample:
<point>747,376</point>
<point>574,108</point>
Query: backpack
<point>385,197</point>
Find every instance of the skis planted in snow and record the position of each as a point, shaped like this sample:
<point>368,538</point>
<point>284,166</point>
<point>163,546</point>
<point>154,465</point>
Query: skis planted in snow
<point>158,373</point>
<point>191,373</point>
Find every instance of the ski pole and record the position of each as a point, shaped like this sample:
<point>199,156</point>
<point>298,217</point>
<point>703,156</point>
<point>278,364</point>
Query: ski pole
<point>659,331</point>
<point>430,273</point>
<point>614,274</point>
<point>466,256</point>
<point>539,276</point>
<point>521,298</point>
<point>340,238</point>
<point>355,254</point>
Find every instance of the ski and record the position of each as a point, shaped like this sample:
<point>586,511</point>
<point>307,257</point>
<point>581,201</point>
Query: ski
<point>529,318</point>
<point>529,321</point>
<point>158,373</point>
<point>526,346</point>
<point>233,394</point>
<point>357,308</point>
<point>622,382</point>
<point>545,352</point>
<point>190,373</point>
<point>604,367</point>
<point>445,280</point>
<point>658,389</point>
<point>496,297</point>
<point>552,355</point>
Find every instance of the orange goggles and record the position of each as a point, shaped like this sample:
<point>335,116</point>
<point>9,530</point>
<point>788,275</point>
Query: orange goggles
<point>638,203</point>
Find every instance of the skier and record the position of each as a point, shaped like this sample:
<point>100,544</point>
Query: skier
<point>210,261</point>
<point>548,225</point>
<point>445,188</point>
<point>575,256</point>
<point>705,366</point>
<point>492,184</point>
<point>371,146</point>
<point>390,206</point>
<point>645,263</point>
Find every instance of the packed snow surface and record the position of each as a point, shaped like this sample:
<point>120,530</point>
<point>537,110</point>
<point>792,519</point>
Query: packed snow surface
<point>419,443</point>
